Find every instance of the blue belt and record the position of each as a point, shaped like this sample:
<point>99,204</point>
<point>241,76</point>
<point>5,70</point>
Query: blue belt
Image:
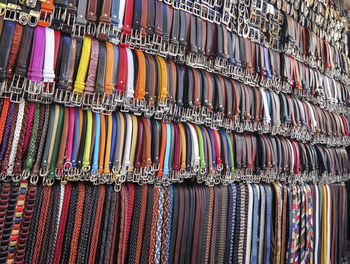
<point>167,149</point>
<point>255,224</point>
<point>94,166</point>
<point>114,132</point>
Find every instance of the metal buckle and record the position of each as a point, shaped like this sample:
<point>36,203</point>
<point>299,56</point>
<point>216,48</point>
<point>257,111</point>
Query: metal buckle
<point>33,87</point>
<point>12,12</point>
<point>60,95</point>
<point>58,17</point>
<point>79,30</point>
<point>18,83</point>
<point>90,29</point>
<point>46,17</point>
<point>76,99</point>
<point>102,30</point>
<point>16,98</point>
<point>97,103</point>
<point>2,9</point>
<point>48,89</point>
<point>68,24</point>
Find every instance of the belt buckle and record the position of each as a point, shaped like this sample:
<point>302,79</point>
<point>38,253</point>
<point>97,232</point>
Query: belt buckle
<point>156,42</point>
<point>97,103</point>
<point>60,95</point>
<point>48,89</point>
<point>46,16</point>
<point>33,87</point>
<point>189,6</point>
<point>12,12</point>
<point>210,3</point>
<point>79,30</point>
<point>16,97</point>
<point>2,9</point>
<point>76,99</point>
<point>196,8</point>
<point>18,83</point>
<point>90,29</point>
<point>88,99</point>
<point>34,98</point>
<point>45,99</point>
<point>58,17</point>
<point>68,23</point>
<point>168,2</point>
<point>109,102</point>
<point>102,30</point>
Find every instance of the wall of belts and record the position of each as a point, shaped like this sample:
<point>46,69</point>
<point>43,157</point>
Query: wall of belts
<point>175,131</point>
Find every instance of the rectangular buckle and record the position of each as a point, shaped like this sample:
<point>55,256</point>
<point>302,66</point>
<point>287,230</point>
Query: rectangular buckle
<point>225,19</point>
<point>18,83</point>
<point>217,17</point>
<point>68,24</point>
<point>79,30</point>
<point>102,30</point>
<point>16,97</point>
<point>48,89</point>
<point>2,9</point>
<point>196,8</point>
<point>12,12</point>
<point>76,99</point>
<point>189,6</point>
<point>34,98</point>
<point>58,17</point>
<point>33,87</point>
<point>210,3</point>
<point>90,29</point>
<point>60,96</point>
<point>46,16</point>
<point>176,4</point>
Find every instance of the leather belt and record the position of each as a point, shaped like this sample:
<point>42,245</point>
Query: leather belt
<point>94,155</point>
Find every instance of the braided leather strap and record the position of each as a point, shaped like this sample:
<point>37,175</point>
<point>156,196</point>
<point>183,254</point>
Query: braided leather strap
<point>165,226</point>
<point>42,222</point>
<point>34,225</point>
<point>142,218</point>
<point>77,223</point>
<point>17,220</point>
<point>6,160</point>
<point>4,199</point>
<point>26,222</point>
<point>10,213</point>
<point>112,245</point>
<point>3,117</point>
<point>97,224</point>
<point>21,148</point>
<point>62,223</point>
<point>154,225</point>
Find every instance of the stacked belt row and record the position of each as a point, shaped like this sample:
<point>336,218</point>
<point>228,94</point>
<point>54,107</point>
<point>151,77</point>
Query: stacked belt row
<point>66,143</point>
<point>184,36</point>
<point>100,75</point>
<point>243,223</point>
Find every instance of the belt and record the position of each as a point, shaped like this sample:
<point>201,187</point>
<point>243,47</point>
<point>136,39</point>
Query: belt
<point>251,235</point>
<point>94,154</point>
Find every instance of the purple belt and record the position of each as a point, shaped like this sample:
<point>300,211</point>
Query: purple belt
<point>35,70</point>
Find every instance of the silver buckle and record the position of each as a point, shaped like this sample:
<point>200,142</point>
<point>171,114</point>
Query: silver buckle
<point>48,89</point>
<point>76,99</point>
<point>16,98</point>
<point>79,30</point>
<point>33,18</point>
<point>18,83</point>
<point>60,96</point>
<point>33,87</point>
<point>90,29</point>
<point>102,30</point>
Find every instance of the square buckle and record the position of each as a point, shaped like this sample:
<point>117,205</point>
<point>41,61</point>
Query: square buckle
<point>60,96</point>
<point>18,83</point>
<point>67,25</point>
<point>16,98</point>
<point>102,30</point>
<point>33,87</point>
<point>76,99</point>
<point>79,30</point>
<point>48,89</point>
<point>12,12</point>
<point>90,29</point>
<point>46,16</point>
